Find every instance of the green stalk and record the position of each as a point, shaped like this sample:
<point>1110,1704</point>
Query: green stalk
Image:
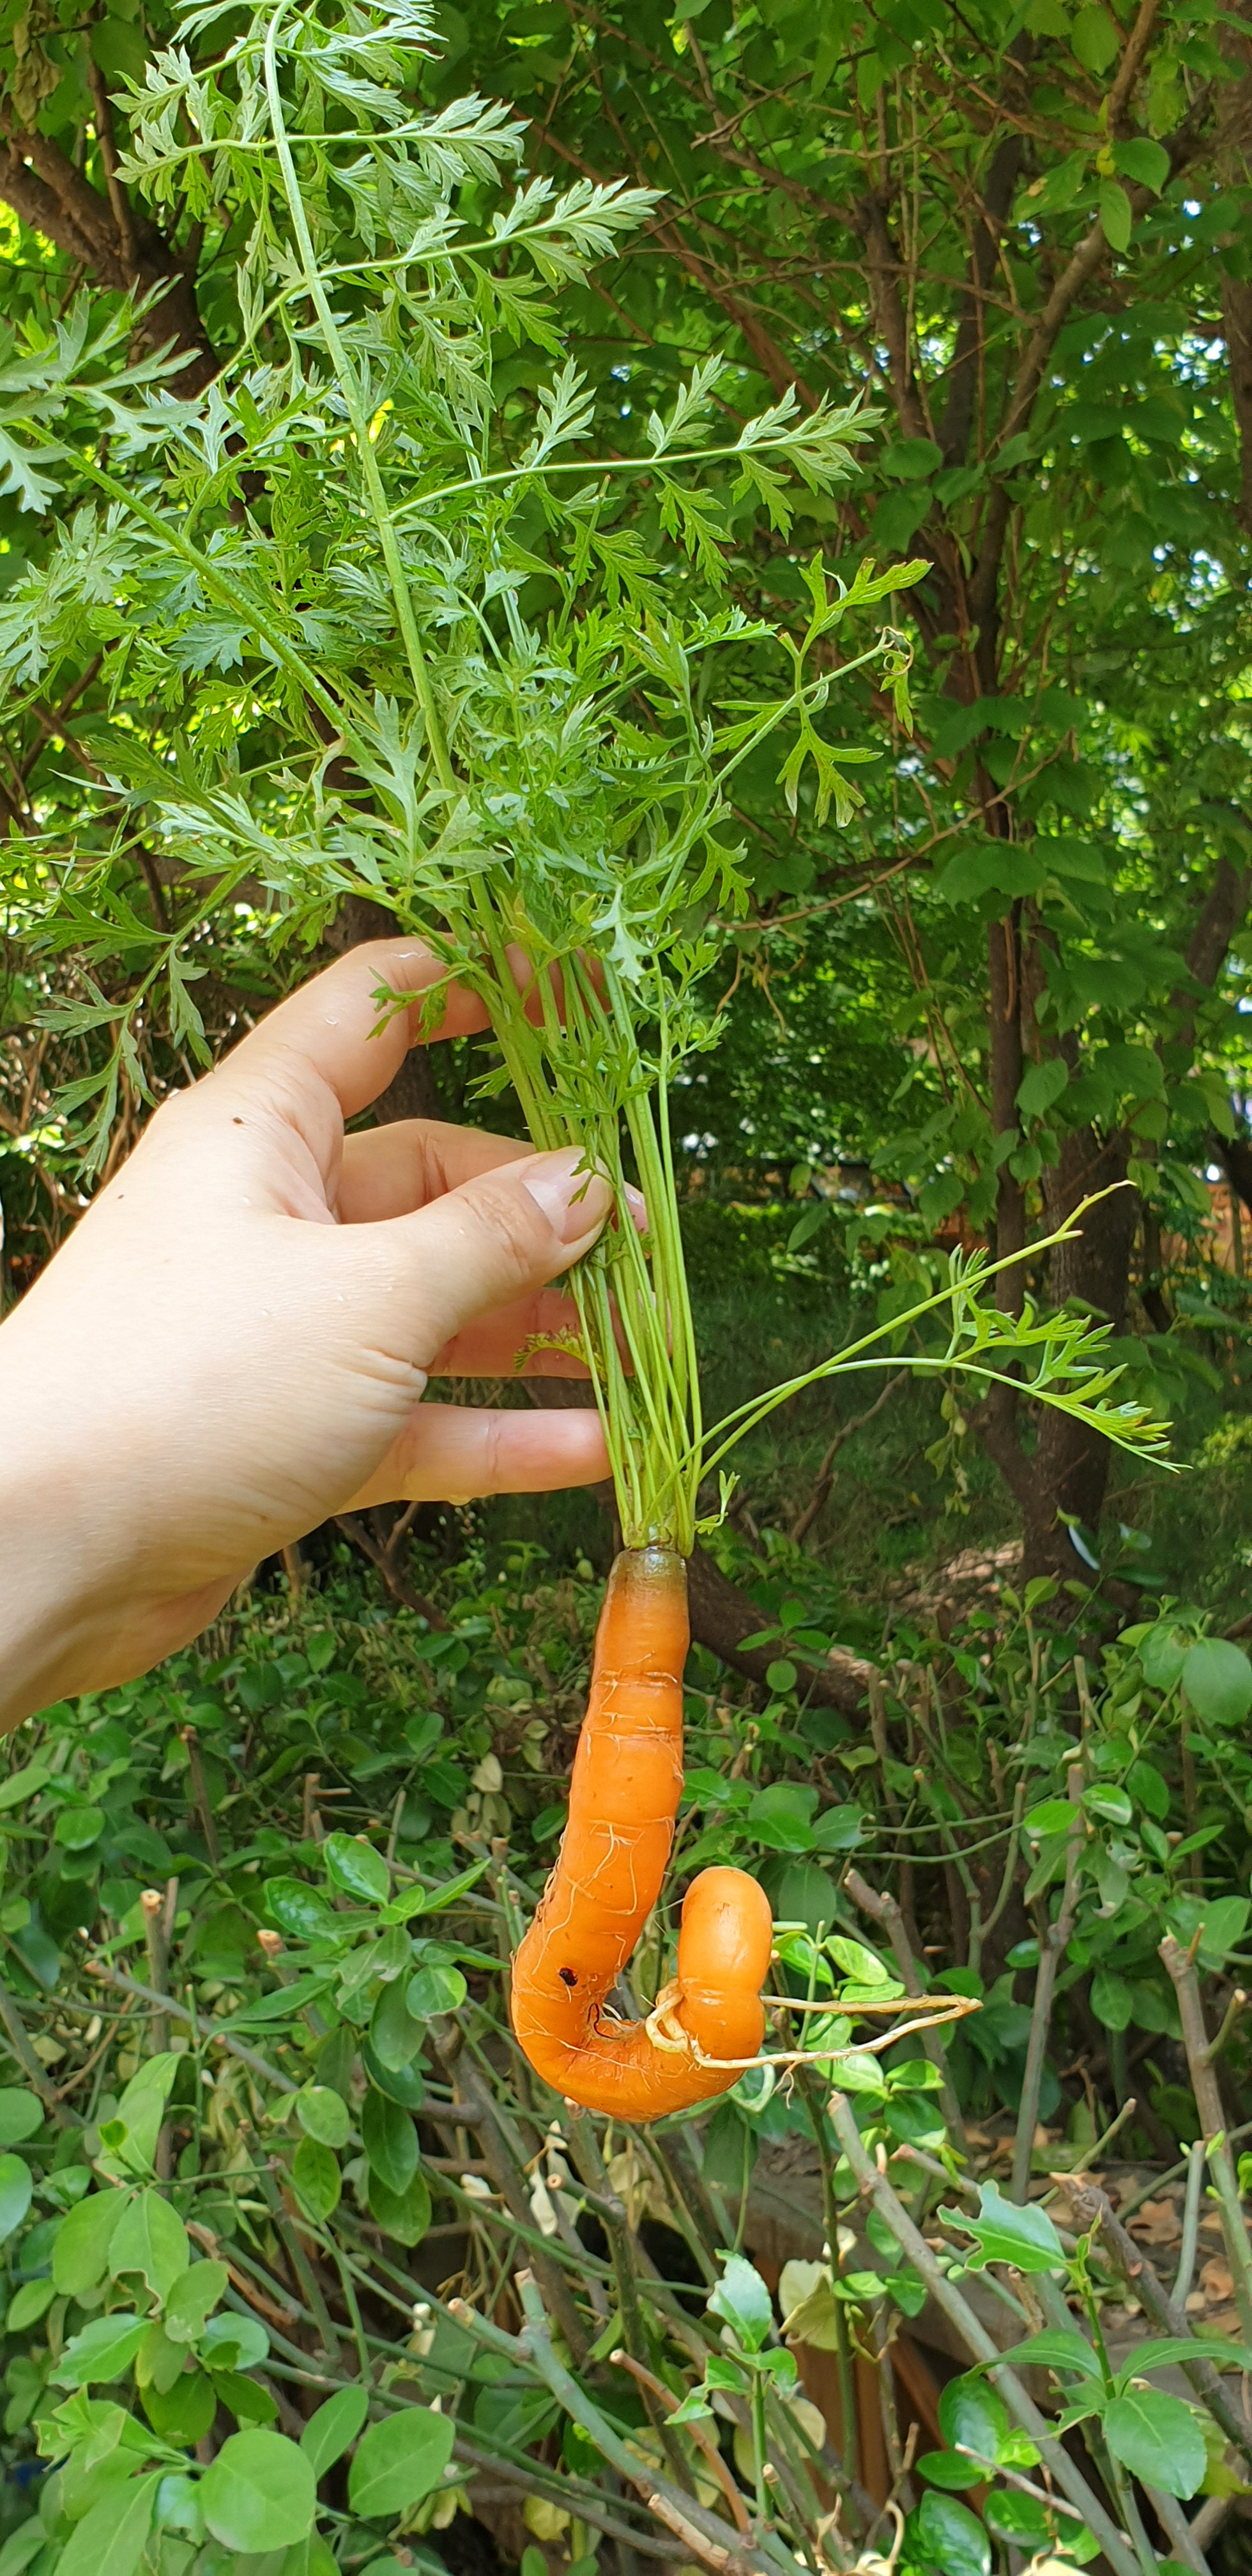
<point>350,388</point>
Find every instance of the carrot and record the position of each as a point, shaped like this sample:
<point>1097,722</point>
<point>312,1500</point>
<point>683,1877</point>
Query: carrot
<point>623,1800</point>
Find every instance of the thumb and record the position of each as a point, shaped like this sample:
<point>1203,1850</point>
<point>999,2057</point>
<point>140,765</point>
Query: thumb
<point>500,1236</point>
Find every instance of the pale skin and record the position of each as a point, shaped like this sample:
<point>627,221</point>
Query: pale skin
<point>235,1342</point>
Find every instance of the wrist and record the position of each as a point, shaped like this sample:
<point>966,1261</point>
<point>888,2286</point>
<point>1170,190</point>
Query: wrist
<point>45,1597</point>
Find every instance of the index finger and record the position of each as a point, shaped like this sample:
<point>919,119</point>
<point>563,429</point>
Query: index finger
<point>329,1031</point>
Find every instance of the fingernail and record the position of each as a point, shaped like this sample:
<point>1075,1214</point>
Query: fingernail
<point>574,1200</point>
<point>638,1206</point>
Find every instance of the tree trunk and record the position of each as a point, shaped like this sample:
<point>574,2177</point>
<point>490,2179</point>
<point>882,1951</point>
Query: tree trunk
<point>414,1091</point>
<point>1070,1467</point>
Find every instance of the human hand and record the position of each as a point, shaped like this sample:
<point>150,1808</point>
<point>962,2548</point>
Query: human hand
<point>234,1343</point>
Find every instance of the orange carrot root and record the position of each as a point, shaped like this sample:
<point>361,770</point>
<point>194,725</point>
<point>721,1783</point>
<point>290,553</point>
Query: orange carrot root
<point>623,1801</point>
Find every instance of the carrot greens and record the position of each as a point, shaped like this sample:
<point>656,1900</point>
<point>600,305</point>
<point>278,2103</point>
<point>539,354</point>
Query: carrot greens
<point>493,630</point>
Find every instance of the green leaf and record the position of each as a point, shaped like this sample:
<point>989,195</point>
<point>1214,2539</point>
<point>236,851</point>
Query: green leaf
<point>140,2113</point>
<point>234,2342</point>
<point>192,2300</point>
<point>16,2187</point>
<point>1023,2237</point>
<point>1055,1816</point>
<point>943,2469</point>
<point>23,1784</point>
<point>334,2428</point>
<point>183,2413</point>
<point>260,2492</point>
<point>1217,1678</point>
<point>838,1829</point>
<point>858,2072</point>
<point>300,1911</point>
<point>404,2215</point>
<point>245,2398</point>
<point>742,2301</point>
<point>1056,2349</point>
<point>953,2536</point>
<point>1145,162</point>
<point>21,2546</point>
<point>1041,1086</point>
<point>1115,215</point>
<point>111,2539</point>
<point>353,1865</point>
<point>80,2255</point>
<point>434,1989</point>
<point>1158,2439</point>
<point>77,1828</point>
<point>1163,2352</point>
<point>150,2239</point>
<point>1111,1999</point>
<point>401,2083</point>
<point>316,2175</point>
<point>1094,40</point>
<point>395,2033</point>
<point>21,2115</point>
<point>857,1962</point>
<point>1111,1805</point>
<point>103,2350</point>
<point>323,2115</point>
<point>27,2306</point>
<point>314,2557</point>
<point>973,2417</point>
<point>398,2461</point>
<point>390,2142</point>
<point>1021,2522</point>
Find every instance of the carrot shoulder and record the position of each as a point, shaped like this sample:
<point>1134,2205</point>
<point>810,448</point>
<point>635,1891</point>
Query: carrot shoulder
<point>624,1795</point>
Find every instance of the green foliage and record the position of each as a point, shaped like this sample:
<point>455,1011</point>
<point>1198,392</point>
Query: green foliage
<point>156,2224</point>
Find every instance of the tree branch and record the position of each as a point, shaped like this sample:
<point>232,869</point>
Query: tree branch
<point>967,354</point>
<point>45,191</point>
<point>118,199</point>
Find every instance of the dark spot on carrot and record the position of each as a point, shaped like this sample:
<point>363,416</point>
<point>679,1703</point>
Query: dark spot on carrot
<point>567,1976</point>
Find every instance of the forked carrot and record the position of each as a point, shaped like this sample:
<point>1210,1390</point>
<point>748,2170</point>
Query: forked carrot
<point>628,1773</point>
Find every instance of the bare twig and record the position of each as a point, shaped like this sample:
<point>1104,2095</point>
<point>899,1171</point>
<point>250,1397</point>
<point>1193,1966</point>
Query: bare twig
<point>200,1794</point>
<point>20,2042</point>
<point>1190,2225</point>
<point>875,2186</point>
<point>1051,1952</point>
<point>1128,2259</point>
<point>885,1911</point>
<point>824,1479</point>
<point>665,2401</point>
<point>1181,1969</point>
